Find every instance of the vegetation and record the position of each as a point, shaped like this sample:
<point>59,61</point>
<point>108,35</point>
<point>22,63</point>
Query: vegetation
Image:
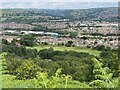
<point>48,68</point>
<point>24,15</point>
<point>74,70</point>
<point>26,63</point>
<point>63,48</point>
<point>27,41</point>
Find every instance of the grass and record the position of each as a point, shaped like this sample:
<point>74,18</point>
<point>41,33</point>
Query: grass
<point>9,81</point>
<point>3,19</point>
<point>63,48</point>
<point>55,20</point>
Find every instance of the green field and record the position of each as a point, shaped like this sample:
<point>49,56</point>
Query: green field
<point>55,20</point>
<point>3,19</point>
<point>63,48</point>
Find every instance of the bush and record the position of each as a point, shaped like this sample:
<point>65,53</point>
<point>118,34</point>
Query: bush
<point>100,48</point>
<point>69,43</point>
<point>27,70</point>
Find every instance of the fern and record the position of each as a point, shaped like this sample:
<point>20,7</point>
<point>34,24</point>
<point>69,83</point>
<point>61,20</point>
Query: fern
<point>3,63</point>
<point>102,75</point>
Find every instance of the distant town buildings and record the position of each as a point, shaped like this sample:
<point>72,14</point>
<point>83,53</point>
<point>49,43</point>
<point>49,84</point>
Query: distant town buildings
<point>83,29</point>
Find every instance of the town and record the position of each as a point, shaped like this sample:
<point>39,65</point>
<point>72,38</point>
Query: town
<point>61,46</point>
<point>87,34</point>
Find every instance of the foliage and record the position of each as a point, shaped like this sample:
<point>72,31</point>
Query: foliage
<point>64,48</point>
<point>77,70</point>
<point>4,41</point>
<point>50,53</point>
<point>46,53</point>
<point>20,51</point>
<point>111,60</point>
<point>12,64</point>
<point>100,48</point>
<point>69,43</point>
<point>27,70</point>
<point>27,41</point>
<point>3,63</point>
<point>42,80</point>
<point>102,76</point>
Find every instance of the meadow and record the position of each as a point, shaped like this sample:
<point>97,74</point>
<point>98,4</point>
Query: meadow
<point>63,48</point>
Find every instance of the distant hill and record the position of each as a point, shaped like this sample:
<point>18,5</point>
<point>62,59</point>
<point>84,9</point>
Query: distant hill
<point>107,14</point>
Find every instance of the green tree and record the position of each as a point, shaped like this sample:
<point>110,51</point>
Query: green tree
<point>4,41</point>
<point>46,53</point>
<point>27,70</point>
<point>3,63</point>
<point>13,64</point>
<point>100,48</point>
<point>69,43</point>
<point>27,40</point>
<point>106,54</point>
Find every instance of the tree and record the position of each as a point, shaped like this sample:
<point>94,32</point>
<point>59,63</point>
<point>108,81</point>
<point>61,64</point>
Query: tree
<point>12,64</point>
<point>14,41</point>
<point>27,40</point>
<point>111,60</point>
<point>3,63</point>
<point>100,48</point>
<point>106,54</point>
<point>4,41</point>
<point>27,70</point>
<point>73,35</point>
<point>69,43</point>
<point>46,53</point>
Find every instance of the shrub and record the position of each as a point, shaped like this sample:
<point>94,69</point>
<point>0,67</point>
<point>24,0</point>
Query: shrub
<point>27,70</point>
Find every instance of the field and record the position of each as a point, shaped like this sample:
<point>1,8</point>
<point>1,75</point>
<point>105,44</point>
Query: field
<point>55,20</point>
<point>63,48</point>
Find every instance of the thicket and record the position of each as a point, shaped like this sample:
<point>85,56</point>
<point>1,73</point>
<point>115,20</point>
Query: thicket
<point>33,74</point>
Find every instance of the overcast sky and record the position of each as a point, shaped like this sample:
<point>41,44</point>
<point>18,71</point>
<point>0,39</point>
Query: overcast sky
<point>58,4</point>
<point>59,0</point>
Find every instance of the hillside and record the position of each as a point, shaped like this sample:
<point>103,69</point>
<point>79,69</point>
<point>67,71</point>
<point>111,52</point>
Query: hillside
<point>107,14</point>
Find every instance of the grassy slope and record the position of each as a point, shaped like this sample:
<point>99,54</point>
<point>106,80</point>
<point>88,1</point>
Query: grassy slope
<point>9,81</point>
<point>63,48</point>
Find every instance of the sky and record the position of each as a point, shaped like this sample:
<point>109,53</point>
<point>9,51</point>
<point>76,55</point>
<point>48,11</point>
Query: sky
<point>60,0</point>
<point>58,4</point>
